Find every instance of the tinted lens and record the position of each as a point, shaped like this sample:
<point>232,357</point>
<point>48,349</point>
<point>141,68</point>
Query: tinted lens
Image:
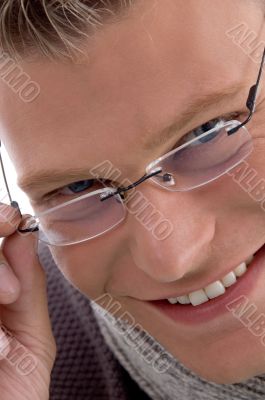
<point>83,219</point>
<point>204,159</point>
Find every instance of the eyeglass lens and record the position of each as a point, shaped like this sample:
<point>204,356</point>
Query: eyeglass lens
<point>86,218</point>
<point>204,159</point>
<point>198,162</point>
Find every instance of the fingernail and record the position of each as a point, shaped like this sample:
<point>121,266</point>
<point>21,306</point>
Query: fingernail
<point>14,204</point>
<point>8,282</point>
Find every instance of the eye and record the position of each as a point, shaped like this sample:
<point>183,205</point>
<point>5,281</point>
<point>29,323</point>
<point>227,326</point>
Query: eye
<point>77,187</point>
<point>82,187</point>
<point>214,123</point>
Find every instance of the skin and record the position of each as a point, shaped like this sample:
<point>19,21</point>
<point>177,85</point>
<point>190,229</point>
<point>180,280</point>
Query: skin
<point>139,76</point>
<point>25,332</point>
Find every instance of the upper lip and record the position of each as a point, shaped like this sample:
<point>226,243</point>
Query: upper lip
<point>211,279</point>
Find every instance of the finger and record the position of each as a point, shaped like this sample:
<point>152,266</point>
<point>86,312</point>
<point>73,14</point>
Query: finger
<point>10,218</point>
<point>4,343</point>
<point>9,283</point>
<point>31,306</point>
<point>28,316</point>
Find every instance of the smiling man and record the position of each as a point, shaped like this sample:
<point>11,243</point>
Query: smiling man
<point>125,84</point>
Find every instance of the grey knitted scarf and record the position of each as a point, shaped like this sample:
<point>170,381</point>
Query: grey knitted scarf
<point>175,382</point>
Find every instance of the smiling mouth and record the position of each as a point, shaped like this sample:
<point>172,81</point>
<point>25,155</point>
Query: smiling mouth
<point>214,289</point>
<point>201,306</point>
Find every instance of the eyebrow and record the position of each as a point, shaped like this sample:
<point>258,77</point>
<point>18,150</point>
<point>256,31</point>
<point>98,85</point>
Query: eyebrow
<point>192,109</point>
<point>48,179</point>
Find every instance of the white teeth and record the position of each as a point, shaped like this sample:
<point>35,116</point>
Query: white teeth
<point>183,299</point>
<point>198,297</point>
<point>241,269</point>
<point>173,300</point>
<point>215,289</point>
<point>229,279</point>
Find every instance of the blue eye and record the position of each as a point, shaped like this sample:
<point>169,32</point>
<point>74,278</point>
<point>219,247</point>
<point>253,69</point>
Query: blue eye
<point>202,129</point>
<point>207,127</point>
<point>79,186</point>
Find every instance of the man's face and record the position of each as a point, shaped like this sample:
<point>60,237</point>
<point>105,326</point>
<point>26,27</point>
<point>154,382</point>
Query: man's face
<point>141,74</point>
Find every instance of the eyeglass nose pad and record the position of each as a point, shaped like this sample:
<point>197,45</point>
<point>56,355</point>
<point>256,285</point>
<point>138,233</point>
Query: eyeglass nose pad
<point>167,179</point>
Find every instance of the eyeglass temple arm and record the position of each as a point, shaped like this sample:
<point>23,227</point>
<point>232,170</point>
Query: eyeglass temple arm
<point>251,101</point>
<point>124,189</point>
<point>13,203</point>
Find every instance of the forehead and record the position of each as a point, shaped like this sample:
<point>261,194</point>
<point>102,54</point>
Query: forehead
<point>138,74</point>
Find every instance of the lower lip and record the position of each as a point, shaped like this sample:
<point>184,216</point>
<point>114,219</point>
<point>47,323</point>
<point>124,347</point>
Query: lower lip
<point>189,314</point>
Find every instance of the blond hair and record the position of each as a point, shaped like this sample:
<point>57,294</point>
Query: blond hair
<point>54,28</point>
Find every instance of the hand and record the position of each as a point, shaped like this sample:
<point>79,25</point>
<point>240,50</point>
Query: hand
<point>27,345</point>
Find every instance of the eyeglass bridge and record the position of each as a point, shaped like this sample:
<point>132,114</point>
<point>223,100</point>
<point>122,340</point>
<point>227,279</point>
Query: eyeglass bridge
<point>167,177</point>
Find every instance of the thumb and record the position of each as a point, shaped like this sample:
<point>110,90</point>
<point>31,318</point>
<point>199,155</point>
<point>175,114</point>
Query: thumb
<point>30,310</point>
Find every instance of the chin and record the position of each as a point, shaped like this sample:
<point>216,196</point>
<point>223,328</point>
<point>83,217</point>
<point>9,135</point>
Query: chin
<point>225,370</point>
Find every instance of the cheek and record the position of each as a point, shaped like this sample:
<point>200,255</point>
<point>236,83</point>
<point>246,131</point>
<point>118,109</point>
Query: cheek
<point>88,265</point>
<point>257,158</point>
<point>243,197</point>
<point>251,179</point>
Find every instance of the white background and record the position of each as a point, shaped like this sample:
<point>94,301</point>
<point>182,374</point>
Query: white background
<point>11,177</point>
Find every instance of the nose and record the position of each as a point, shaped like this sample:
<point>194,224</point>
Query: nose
<point>185,248</point>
